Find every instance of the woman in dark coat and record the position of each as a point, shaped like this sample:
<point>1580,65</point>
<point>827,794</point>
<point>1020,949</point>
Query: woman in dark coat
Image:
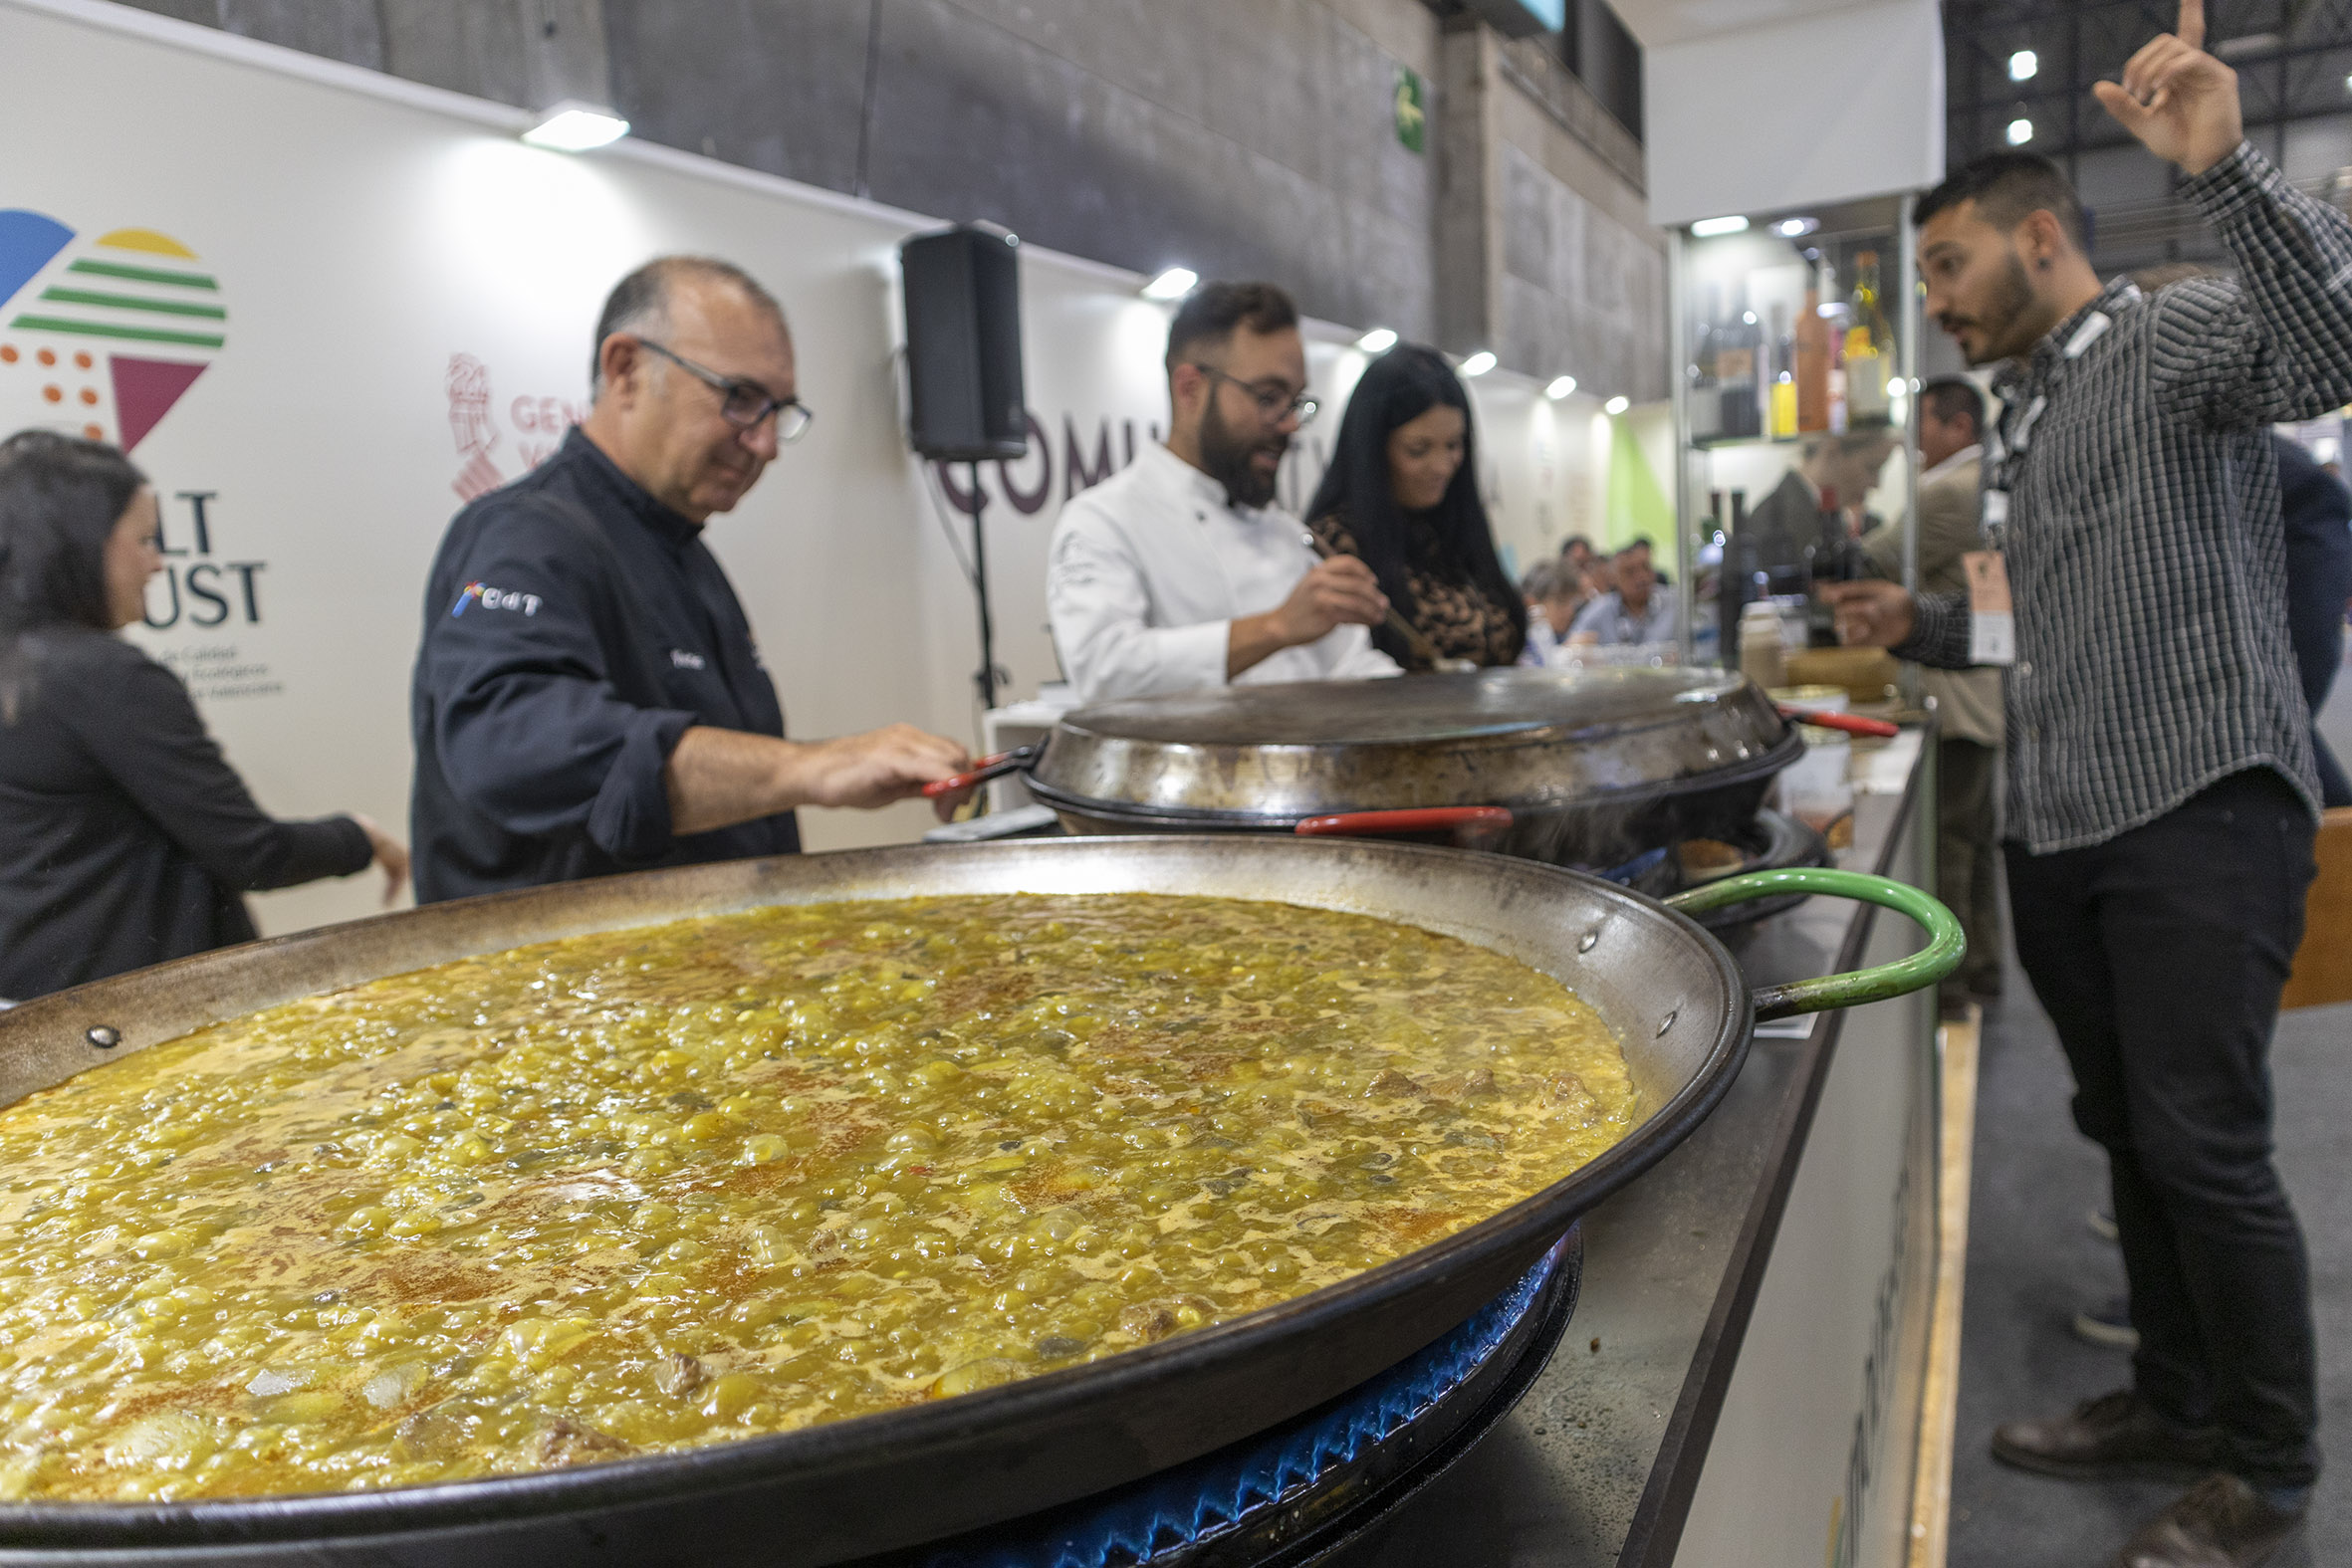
<point>124,837</point>
<point>1401,495</point>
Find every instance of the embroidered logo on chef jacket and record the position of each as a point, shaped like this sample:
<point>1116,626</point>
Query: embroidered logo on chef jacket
<point>494,598</point>
<point>683,660</point>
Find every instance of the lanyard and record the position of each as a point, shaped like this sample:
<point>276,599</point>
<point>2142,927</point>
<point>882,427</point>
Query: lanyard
<point>2006,444</point>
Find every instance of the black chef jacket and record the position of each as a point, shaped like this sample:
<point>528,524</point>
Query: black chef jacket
<point>125,838</point>
<point>574,628</point>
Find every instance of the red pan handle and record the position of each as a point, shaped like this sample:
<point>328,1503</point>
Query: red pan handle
<point>982,771</point>
<point>1851,723</point>
<point>1413,820</point>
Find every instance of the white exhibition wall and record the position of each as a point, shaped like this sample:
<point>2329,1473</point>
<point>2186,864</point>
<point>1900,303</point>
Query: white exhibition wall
<point>402,297</point>
<point>1868,118</point>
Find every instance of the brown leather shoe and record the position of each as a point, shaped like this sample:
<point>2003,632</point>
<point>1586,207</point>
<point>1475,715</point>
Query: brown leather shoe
<point>2221,1522</point>
<point>2115,1435</point>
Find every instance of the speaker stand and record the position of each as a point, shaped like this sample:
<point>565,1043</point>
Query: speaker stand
<point>985,680</point>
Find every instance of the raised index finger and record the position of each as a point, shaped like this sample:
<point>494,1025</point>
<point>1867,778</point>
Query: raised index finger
<point>2191,28</point>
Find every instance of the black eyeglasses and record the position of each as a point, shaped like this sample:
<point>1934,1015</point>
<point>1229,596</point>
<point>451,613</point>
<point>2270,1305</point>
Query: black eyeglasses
<point>746,402</point>
<point>1272,406</point>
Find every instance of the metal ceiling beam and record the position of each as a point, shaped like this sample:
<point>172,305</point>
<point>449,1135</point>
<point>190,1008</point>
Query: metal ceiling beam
<point>2079,42</point>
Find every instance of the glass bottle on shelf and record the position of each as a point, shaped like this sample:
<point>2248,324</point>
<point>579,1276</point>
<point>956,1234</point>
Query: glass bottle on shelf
<point>1813,364</point>
<point>1705,400</point>
<point>1869,345</point>
<point>1734,584</point>
<point>1785,396</point>
<point>1833,318</point>
<point>1739,371</point>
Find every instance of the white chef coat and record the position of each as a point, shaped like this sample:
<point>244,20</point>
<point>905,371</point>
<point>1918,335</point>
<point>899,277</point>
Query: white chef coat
<point>1148,570</point>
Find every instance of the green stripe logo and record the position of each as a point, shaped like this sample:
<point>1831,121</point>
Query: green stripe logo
<point>133,301</point>
<point>185,280</point>
<point>144,334</point>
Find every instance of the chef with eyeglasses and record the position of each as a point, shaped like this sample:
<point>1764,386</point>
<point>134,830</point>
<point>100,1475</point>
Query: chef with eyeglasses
<point>1179,573</point>
<point>588,696</point>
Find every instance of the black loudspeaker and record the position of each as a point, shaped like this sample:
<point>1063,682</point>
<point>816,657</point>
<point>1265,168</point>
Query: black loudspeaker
<point>963,344</point>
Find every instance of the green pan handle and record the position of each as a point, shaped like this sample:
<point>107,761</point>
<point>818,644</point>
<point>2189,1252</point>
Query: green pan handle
<point>1946,943</point>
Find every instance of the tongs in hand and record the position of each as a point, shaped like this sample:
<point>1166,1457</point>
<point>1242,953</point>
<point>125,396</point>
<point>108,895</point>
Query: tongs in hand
<point>1423,648</point>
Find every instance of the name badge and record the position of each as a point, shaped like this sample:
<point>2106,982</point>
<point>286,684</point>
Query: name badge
<point>1992,625</point>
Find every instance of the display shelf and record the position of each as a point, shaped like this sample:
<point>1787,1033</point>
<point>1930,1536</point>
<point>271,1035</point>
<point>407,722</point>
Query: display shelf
<point>1794,338</point>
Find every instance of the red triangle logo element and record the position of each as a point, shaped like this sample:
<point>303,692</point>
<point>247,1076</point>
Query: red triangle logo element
<point>145,390</point>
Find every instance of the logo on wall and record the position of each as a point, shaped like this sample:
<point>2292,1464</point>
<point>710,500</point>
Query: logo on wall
<point>537,424</point>
<point>468,385</point>
<point>100,337</point>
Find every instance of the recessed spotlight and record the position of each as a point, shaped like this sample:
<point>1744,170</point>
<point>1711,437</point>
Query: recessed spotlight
<point>1796,228</point>
<point>1561,387</point>
<point>2024,64</point>
<point>1709,228</point>
<point>574,127</point>
<point>1174,284</point>
<point>2021,132</point>
<point>1478,363</point>
<point>1617,406</point>
<point>1378,340</point>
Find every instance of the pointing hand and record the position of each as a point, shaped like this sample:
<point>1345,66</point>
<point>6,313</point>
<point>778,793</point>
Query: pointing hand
<point>2178,100</point>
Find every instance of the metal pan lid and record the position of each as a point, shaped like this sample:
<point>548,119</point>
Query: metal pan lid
<point>1512,737</point>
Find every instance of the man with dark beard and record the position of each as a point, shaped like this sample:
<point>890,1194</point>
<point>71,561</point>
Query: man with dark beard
<point>1179,573</point>
<point>2161,794</point>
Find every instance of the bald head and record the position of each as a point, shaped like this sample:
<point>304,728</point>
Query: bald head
<point>640,304</point>
<point>675,335</point>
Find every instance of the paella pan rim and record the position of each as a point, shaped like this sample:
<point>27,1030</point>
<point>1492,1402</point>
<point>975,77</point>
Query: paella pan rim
<point>1551,739</point>
<point>1148,819</point>
<point>902,1440</point>
<point>1506,707</point>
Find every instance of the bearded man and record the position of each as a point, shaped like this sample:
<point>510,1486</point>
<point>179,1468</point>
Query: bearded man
<point>2161,793</point>
<point>1180,572</point>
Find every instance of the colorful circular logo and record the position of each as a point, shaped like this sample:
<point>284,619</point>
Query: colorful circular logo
<point>100,337</point>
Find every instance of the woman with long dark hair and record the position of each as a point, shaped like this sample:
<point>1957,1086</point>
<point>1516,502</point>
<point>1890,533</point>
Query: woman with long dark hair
<point>125,838</point>
<point>1401,495</point>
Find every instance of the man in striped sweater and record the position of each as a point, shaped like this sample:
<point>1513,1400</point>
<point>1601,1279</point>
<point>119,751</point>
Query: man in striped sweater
<point>2161,788</point>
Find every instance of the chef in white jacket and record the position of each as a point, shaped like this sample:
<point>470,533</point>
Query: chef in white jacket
<point>1178,573</point>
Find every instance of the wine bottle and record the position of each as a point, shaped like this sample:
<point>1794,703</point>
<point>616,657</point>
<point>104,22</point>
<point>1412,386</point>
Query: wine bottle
<point>1834,338</point>
<point>1739,370</point>
<point>1734,581</point>
<point>1869,346</point>
<point>1706,384</point>
<point>1812,365</point>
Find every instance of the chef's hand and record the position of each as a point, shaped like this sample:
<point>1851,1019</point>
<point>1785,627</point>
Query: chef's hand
<point>390,854</point>
<point>882,765</point>
<point>1871,613</point>
<point>2178,100</point>
<point>1339,592</point>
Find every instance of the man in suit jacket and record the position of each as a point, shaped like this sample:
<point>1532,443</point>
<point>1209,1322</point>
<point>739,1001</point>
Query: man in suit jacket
<point>1967,748</point>
<point>1796,537</point>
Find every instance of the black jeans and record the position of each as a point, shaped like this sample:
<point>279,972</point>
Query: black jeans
<point>2159,955</point>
